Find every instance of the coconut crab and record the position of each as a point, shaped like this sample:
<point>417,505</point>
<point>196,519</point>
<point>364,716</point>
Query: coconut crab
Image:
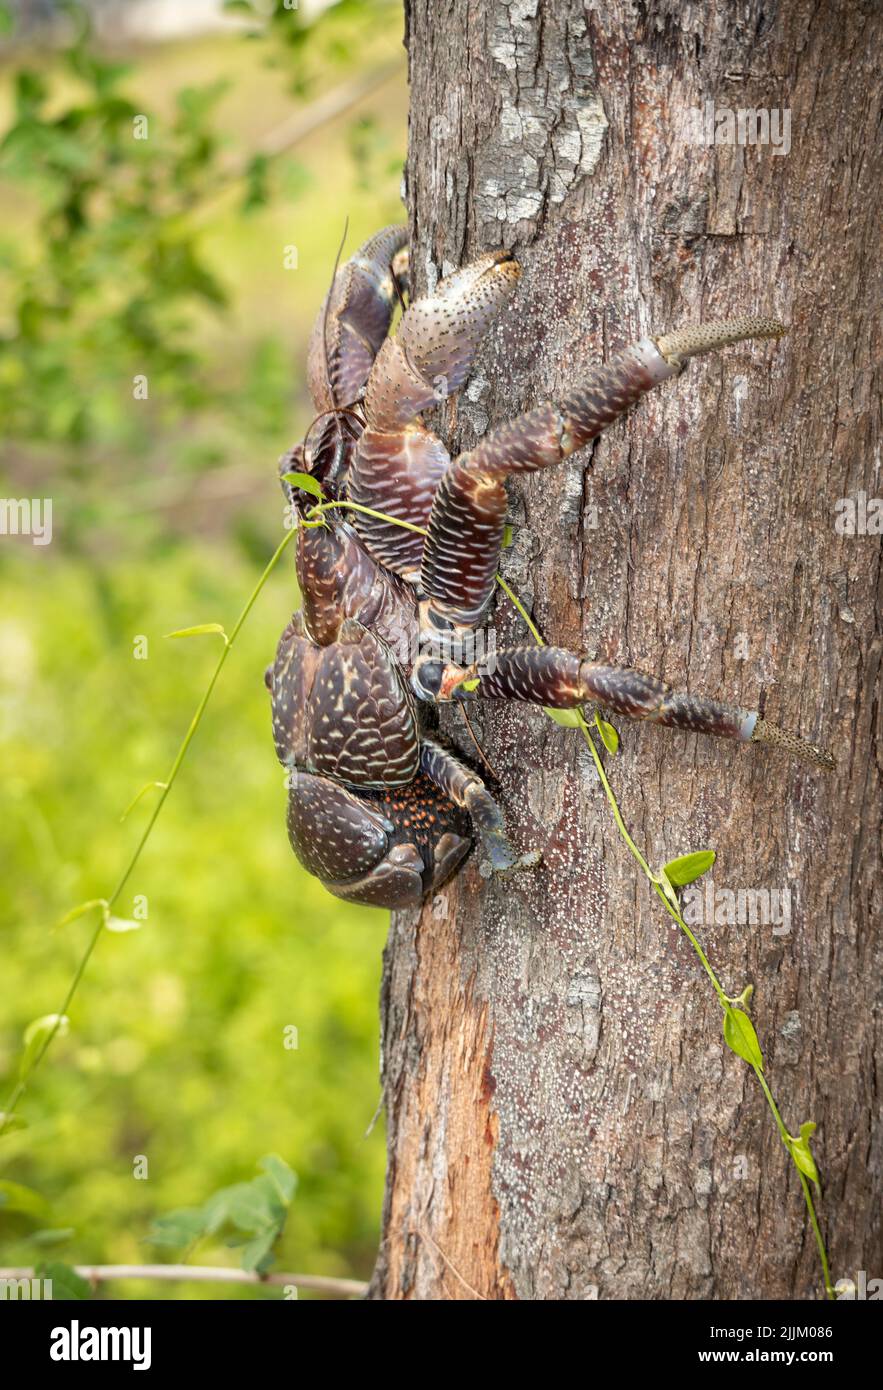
<point>379,809</point>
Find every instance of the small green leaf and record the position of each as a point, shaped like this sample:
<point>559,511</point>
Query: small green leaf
<point>609,736</point>
<point>801,1152</point>
<point>306,482</point>
<point>283,1179</point>
<point>123,924</point>
<point>257,1253</point>
<point>201,630</point>
<point>740,1036</point>
<point>179,1228</point>
<point>744,998</point>
<point>255,1205</point>
<point>250,1206</point>
<point>689,867</point>
<point>567,718</point>
<point>148,786</point>
<point>66,1282</point>
<point>471,684</point>
<point>507,537</point>
<point>83,908</point>
<point>216,1210</point>
<point>36,1034</point>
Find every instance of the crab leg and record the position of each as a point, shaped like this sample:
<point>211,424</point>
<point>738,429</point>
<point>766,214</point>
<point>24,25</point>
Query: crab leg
<point>399,463</point>
<point>462,550</point>
<point>561,679</point>
<point>465,788</point>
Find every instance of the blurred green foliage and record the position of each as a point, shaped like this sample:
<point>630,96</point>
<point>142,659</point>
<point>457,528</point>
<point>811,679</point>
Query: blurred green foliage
<point>152,257</point>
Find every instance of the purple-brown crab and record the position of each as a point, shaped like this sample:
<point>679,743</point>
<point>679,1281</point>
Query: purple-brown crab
<point>378,808</point>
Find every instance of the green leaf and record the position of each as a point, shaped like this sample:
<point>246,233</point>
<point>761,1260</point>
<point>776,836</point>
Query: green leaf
<point>306,482</point>
<point>216,1210</point>
<point>250,1206</point>
<point>689,867</point>
<point>36,1034</point>
<point>740,1036</point>
<point>123,924</point>
<point>179,1228</point>
<point>472,684</point>
<point>282,1177</point>
<point>744,999</point>
<point>507,537</point>
<point>15,1197</point>
<point>67,1284</point>
<point>257,1253</point>
<point>255,1205</point>
<point>609,736</point>
<point>83,908</point>
<point>567,718</point>
<point>201,630</point>
<point>801,1152</point>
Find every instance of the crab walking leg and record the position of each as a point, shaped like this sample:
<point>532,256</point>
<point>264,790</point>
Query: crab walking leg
<point>399,463</point>
<point>465,788</point>
<point>561,679</point>
<point>466,523</point>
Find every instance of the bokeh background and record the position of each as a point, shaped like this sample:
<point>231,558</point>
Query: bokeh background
<point>172,257</point>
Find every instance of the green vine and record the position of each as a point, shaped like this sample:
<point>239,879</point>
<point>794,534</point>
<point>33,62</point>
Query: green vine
<point>40,1035</point>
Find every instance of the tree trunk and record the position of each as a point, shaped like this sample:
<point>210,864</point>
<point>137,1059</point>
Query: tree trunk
<point>564,1119</point>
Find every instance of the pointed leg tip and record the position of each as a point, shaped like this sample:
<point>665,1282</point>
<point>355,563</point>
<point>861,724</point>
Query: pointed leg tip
<point>503,859</point>
<point>798,747</point>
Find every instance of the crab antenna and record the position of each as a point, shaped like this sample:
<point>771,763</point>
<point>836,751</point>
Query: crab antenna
<point>481,753</point>
<point>398,289</point>
<point>331,394</point>
<point>707,337</point>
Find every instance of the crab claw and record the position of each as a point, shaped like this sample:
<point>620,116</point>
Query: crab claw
<point>432,353</point>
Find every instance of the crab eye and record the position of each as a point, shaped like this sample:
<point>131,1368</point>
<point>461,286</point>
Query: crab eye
<point>427,677</point>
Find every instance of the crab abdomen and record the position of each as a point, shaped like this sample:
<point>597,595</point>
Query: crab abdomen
<point>382,849</point>
<point>343,711</point>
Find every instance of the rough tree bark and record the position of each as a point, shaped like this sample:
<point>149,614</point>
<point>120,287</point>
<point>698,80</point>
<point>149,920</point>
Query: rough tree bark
<point>564,1120</point>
